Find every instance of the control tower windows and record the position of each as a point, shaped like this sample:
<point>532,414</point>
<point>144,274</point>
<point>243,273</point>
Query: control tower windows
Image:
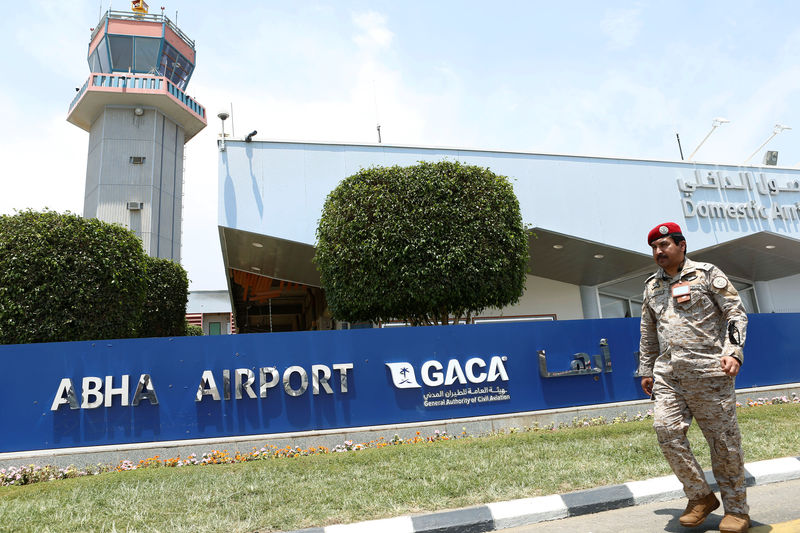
<point>121,52</point>
<point>175,67</point>
<point>98,60</point>
<point>140,54</point>
<point>145,54</point>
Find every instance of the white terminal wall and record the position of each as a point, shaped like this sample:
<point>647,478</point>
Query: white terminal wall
<point>542,297</point>
<point>783,294</point>
<point>208,302</point>
<point>278,189</point>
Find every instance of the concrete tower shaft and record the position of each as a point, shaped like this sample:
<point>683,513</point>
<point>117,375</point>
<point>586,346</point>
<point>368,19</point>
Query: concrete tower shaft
<point>138,117</point>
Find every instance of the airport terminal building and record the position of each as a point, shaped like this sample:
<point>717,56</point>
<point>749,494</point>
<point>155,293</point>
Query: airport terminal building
<point>589,217</point>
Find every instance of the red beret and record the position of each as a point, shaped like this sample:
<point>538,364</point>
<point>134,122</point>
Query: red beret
<point>662,230</point>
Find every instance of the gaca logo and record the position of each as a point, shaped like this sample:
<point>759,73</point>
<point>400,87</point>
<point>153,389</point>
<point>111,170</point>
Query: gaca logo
<point>434,374</point>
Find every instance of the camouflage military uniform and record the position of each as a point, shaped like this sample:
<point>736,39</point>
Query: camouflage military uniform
<point>681,346</point>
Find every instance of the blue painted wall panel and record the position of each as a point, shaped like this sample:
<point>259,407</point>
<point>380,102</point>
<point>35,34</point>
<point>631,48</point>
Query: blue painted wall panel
<point>34,372</point>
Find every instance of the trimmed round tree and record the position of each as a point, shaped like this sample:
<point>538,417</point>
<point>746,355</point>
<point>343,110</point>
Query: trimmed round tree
<point>430,243</point>
<point>164,310</point>
<point>67,278</point>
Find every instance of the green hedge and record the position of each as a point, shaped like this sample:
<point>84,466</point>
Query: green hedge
<point>164,310</point>
<point>66,278</point>
<point>193,331</point>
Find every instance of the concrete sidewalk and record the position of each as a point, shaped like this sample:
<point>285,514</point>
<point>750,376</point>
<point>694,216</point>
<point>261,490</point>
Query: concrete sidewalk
<point>502,515</point>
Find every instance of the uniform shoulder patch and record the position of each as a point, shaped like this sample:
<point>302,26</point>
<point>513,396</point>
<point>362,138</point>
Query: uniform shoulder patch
<point>699,265</point>
<point>719,282</point>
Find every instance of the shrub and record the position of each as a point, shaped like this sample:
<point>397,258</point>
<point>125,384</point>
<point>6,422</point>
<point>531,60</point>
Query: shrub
<point>66,278</point>
<point>424,244</point>
<point>193,331</point>
<point>164,309</point>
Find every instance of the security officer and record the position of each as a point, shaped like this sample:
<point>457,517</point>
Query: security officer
<point>692,332</point>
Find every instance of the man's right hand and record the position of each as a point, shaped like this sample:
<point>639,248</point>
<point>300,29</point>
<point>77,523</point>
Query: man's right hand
<point>647,386</point>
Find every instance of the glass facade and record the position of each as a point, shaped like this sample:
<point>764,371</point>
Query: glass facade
<point>99,60</point>
<point>613,306</point>
<point>121,52</point>
<point>143,55</point>
<point>748,295</point>
<point>175,67</point>
<point>617,306</point>
<point>94,62</point>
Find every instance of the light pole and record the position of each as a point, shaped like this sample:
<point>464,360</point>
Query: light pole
<point>717,122</point>
<point>222,115</point>
<point>778,128</point>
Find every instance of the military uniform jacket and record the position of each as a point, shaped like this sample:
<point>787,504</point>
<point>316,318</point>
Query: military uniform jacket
<point>688,338</point>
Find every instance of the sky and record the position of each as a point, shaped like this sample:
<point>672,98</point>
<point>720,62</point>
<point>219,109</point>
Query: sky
<point>613,79</point>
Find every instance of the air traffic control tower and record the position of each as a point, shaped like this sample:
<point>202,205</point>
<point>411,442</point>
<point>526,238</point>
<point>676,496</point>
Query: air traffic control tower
<point>138,116</point>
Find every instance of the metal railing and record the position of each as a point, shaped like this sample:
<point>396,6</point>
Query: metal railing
<point>125,15</point>
<point>140,81</point>
<point>78,96</point>
<point>186,100</point>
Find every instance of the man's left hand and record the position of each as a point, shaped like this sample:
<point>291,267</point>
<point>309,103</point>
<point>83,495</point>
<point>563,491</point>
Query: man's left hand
<point>730,365</point>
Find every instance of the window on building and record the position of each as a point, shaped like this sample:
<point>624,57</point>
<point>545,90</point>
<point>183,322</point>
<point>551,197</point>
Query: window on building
<point>146,54</point>
<point>121,52</point>
<point>614,306</point>
<point>215,328</point>
<point>102,57</point>
<point>94,62</point>
<point>174,66</point>
<point>747,294</point>
<point>618,306</point>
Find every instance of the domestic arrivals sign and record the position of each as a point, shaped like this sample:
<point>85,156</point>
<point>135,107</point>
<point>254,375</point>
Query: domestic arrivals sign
<point>740,195</point>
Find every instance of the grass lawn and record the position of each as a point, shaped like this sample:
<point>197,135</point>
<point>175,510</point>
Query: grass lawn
<point>318,490</point>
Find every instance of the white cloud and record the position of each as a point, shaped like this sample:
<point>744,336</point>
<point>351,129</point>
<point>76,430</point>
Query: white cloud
<point>622,26</point>
<point>374,33</point>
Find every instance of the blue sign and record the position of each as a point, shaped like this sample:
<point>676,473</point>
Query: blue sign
<point>141,390</point>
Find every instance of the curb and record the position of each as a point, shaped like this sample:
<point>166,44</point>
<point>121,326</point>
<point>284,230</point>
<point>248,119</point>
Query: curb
<point>502,515</point>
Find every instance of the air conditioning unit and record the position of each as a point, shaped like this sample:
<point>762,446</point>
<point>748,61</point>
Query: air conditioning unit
<point>771,158</point>
<point>135,206</point>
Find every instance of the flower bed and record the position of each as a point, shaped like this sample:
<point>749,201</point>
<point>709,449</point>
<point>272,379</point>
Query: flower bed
<point>25,475</point>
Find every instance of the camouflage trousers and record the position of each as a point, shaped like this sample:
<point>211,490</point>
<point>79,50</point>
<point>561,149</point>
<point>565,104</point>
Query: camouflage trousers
<point>712,402</point>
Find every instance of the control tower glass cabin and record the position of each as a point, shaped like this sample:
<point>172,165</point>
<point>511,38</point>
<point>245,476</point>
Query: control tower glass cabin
<point>138,116</point>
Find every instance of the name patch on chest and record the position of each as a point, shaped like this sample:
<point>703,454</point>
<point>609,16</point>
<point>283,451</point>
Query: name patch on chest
<point>681,292</point>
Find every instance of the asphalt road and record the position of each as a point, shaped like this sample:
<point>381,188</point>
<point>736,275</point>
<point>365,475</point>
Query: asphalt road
<point>774,508</point>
